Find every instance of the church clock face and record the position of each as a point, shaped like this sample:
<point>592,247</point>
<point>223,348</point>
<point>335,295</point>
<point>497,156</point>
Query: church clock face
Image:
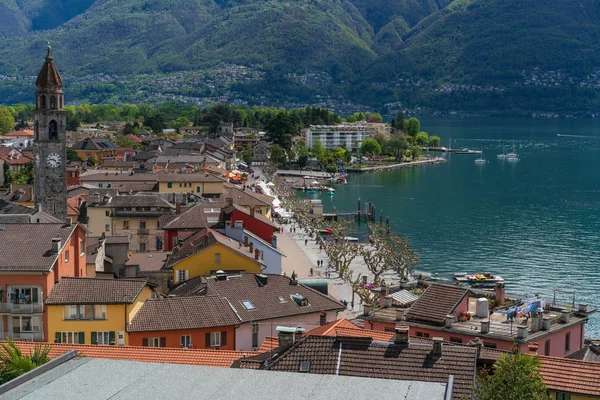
<point>53,160</point>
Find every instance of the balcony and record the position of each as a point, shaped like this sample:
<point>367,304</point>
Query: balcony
<point>10,308</point>
<point>143,231</point>
<point>23,336</point>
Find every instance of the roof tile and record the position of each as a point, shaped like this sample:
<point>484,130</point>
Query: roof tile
<point>95,291</point>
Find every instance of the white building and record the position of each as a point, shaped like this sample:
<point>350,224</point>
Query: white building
<point>350,136</point>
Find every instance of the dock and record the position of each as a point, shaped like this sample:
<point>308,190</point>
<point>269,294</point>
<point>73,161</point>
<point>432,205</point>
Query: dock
<point>456,151</point>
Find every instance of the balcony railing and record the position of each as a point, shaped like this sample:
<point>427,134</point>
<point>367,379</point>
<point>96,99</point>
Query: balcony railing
<point>10,308</point>
<point>23,336</point>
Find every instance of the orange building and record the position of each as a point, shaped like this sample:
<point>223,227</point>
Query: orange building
<point>33,257</point>
<point>199,322</point>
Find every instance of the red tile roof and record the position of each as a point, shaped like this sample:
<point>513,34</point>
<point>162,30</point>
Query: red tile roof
<point>330,327</point>
<point>212,358</point>
<point>573,376</point>
<point>24,132</point>
<point>95,291</point>
<point>270,343</point>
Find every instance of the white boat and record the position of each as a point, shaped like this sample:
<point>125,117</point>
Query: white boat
<point>330,190</point>
<point>481,159</point>
<point>503,155</point>
<point>512,156</point>
<point>351,239</point>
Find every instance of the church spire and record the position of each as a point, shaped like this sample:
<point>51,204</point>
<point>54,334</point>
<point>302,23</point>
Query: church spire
<point>49,78</point>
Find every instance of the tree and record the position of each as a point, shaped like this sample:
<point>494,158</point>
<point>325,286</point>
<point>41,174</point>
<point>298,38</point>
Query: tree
<point>73,120</point>
<point>213,121</point>
<point>396,146</point>
<point>7,173</point>
<point>7,121</point>
<point>400,120</point>
<point>375,118</point>
<point>155,121</point>
<point>72,155</point>
<point>370,146</point>
<point>412,126</point>
<point>14,363</point>
<point>91,161</point>
<point>247,155</point>
<point>25,176</point>
<point>317,149</point>
<point>380,137</point>
<point>180,122</point>
<point>434,141</point>
<point>415,152</point>
<point>278,155</point>
<point>280,130</point>
<point>422,139</point>
<point>515,376</point>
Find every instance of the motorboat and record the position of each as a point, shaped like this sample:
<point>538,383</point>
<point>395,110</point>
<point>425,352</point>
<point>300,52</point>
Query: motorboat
<point>480,280</point>
<point>481,159</point>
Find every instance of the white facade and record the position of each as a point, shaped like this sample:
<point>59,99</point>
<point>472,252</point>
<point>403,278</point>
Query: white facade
<point>350,136</point>
<point>272,257</point>
<point>243,334</point>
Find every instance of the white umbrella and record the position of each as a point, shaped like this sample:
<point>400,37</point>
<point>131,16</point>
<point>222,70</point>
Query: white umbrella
<point>314,183</point>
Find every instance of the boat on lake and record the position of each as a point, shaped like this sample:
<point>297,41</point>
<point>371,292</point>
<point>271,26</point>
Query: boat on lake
<point>351,239</point>
<point>485,280</point>
<point>503,155</point>
<point>481,159</point>
<point>512,156</point>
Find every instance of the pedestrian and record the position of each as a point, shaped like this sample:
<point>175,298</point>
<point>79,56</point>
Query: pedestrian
<point>306,242</point>
<point>311,271</point>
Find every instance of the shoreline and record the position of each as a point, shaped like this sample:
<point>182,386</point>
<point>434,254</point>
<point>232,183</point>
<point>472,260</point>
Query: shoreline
<point>410,164</point>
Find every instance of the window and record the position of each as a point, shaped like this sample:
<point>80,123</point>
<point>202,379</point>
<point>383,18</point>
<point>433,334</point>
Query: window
<point>170,185</point>
<point>254,334</point>
<point>107,228</point>
<point>107,213</point>
<point>70,337</point>
<point>215,339</point>
<point>422,334</point>
<point>179,184</point>
<point>100,185</point>
<point>67,256</point>
<point>186,341</point>
<point>217,257</point>
<point>182,275</point>
<point>26,324</point>
<point>489,345</point>
<point>563,396</point>
<point>142,247</point>
<point>568,342</point>
<point>81,247</point>
<point>84,312</point>
<point>455,339</point>
<point>73,174</point>
<point>142,224</point>
<point>281,299</point>
<point>125,224</point>
<point>304,366</point>
<point>24,294</point>
<point>103,338</point>
<point>155,342</point>
<point>547,348</point>
<point>248,305</point>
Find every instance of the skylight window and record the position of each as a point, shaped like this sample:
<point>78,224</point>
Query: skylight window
<point>248,305</point>
<point>281,299</point>
<point>304,366</point>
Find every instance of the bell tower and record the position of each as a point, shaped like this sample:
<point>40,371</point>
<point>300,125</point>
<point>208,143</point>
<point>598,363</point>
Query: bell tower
<point>50,142</point>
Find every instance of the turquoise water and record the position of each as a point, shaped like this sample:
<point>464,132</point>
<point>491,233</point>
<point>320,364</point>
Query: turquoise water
<point>535,222</point>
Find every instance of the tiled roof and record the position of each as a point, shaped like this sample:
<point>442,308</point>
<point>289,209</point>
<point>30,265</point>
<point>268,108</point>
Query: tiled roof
<point>118,164</point>
<point>137,200</point>
<point>8,207</point>
<point>13,156</point>
<point>189,178</point>
<point>258,216</point>
<point>192,287</point>
<point>34,241</point>
<point>48,76</point>
<point>270,343</point>
<point>369,359</point>
<point>194,217</point>
<point>95,291</point>
<point>23,132</point>
<point>332,326</point>
<point>436,302</point>
<point>265,299</point>
<point>23,193</point>
<point>147,261</point>
<point>246,197</point>
<point>589,352</point>
<point>95,144</point>
<point>573,376</point>
<point>193,312</point>
<point>213,358</point>
<point>114,176</point>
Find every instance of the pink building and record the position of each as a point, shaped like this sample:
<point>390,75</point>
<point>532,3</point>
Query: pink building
<point>458,315</point>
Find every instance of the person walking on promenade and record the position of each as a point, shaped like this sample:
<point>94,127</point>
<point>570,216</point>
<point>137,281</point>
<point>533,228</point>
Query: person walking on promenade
<point>311,271</point>
<point>306,242</point>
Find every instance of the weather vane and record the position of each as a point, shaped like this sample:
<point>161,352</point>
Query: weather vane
<point>48,48</point>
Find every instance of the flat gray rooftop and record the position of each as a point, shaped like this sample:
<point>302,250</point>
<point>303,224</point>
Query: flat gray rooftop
<point>101,379</point>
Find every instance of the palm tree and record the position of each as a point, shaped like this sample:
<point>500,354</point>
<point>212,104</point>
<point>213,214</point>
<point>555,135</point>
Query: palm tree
<point>14,363</point>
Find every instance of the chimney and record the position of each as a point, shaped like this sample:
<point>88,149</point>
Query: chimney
<point>533,348</point>
<point>583,307</point>
<point>184,200</point>
<point>263,280</point>
<point>381,300</point>
<point>286,339</point>
<point>546,323</point>
<point>178,208</point>
<point>367,309</point>
<point>387,301</point>
<point>251,247</point>
<point>521,331</point>
<point>564,316</point>
<point>437,346</point>
<point>229,201</point>
<point>31,193</point>
<point>69,221</point>
<point>97,198</point>
<point>274,241</point>
<point>56,245</point>
<point>449,321</point>
<point>252,212</point>
<point>485,326</point>
<point>399,314</point>
<point>256,254</point>
<point>401,335</point>
<point>239,224</point>
<point>500,293</point>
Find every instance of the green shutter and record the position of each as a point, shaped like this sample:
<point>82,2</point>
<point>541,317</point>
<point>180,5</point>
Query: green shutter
<point>81,338</point>
<point>111,338</point>
<point>94,338</point>
<point>58,337</point>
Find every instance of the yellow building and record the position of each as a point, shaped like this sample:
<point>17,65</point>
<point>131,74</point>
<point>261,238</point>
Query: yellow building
<point>209,251</point>
<point>99,149</point>
<point>207,185</point>
<point>94,311</point>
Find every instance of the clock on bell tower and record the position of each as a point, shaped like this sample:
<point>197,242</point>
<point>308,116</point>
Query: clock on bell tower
<point>50,142</point>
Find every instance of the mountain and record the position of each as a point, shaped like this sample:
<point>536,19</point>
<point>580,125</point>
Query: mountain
<point>372,51</point>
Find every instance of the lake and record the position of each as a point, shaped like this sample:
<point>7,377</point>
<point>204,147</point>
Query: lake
<point>536,222</point>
